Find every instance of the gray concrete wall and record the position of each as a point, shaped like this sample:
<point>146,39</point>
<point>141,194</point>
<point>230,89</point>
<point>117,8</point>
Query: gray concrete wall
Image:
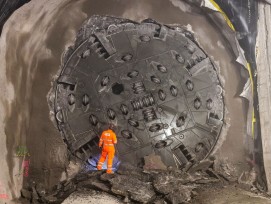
<point>264,84</point>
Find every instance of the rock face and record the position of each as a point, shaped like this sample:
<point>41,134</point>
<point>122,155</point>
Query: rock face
<point>173,186</point>
<point>153,162</point>
<point>7,7</point>
<point>26,194</point>
<point>134,188</point>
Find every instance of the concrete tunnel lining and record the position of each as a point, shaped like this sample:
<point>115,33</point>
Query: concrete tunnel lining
<point>48,135</point>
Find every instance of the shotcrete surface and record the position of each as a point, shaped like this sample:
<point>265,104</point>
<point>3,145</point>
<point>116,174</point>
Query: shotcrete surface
<point>31,45</point>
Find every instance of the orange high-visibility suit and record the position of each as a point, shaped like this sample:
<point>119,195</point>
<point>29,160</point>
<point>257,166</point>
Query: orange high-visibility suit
<point>107,140</point>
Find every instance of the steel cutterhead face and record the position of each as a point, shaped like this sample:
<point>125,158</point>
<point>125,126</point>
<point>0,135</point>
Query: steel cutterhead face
<point>152,81</point>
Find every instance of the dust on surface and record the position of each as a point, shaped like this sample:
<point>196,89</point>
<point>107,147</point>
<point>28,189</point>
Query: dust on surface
<point>229,195</point>
<point>35,44</point>
<point>88,196</point>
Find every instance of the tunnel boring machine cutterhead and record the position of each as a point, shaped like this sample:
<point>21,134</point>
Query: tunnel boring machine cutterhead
<point>152,81</point>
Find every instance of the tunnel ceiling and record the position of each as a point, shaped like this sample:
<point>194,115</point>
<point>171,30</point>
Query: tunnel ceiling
<point>152,81</point>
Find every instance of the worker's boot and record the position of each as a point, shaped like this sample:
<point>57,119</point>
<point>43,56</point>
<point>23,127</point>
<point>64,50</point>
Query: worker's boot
<point>109,171</point>
<point>99,166</point>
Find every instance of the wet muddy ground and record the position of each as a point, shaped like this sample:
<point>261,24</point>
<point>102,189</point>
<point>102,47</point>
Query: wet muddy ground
<point>31,47</point>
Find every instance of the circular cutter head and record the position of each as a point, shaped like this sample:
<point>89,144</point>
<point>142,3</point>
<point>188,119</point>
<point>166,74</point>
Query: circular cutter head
<point>151,81</point>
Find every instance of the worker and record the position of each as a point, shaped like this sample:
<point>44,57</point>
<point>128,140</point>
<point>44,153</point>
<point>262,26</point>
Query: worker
<point>107,142</point>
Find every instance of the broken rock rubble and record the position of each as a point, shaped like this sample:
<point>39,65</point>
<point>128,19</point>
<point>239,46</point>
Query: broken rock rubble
<point>172,186</point>
<point>154,184</point>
